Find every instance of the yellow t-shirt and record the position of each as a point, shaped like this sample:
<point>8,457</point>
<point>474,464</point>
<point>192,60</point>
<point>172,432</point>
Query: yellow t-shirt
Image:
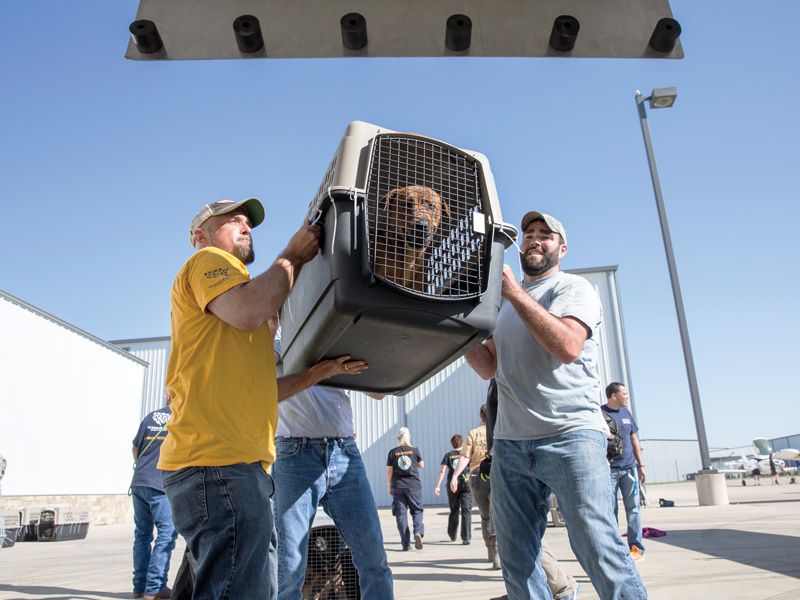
<point>475,447</point>
<point>222,380</point>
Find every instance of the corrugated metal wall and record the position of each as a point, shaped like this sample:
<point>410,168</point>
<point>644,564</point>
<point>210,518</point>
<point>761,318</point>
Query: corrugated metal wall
<point>447,403</point>
<point>155,352</point>
<point>670,460</point>
<point>71,406</point>
<point>613,359</point>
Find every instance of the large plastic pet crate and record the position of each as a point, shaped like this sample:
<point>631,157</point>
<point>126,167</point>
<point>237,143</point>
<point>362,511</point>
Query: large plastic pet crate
<point>9,527</point>
<point>330,573</point>
<point>409,273</point>
<point>62,522</point>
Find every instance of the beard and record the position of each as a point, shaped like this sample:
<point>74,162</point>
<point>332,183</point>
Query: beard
<point>245,253</point>
<point>243,250</point>
<point>536,264</point>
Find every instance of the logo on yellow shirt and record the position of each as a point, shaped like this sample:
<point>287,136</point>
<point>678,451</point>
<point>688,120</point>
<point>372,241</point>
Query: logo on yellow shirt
<point>217,273</point>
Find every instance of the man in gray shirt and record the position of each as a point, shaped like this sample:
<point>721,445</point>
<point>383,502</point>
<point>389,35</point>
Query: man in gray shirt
<point>318,463</point>
<point>550,432</point>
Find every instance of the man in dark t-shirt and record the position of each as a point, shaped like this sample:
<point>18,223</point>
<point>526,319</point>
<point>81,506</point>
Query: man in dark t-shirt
<point>402,478</point>
<point>627,470</point>
<point>460,501</point>
<point>151,508</point>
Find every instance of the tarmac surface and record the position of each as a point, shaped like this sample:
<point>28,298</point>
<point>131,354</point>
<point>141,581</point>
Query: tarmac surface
<point>749,550</point>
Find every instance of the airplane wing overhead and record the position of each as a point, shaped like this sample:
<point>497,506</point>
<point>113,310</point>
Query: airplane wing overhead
<point>787,454</point>
<point>237,29</point>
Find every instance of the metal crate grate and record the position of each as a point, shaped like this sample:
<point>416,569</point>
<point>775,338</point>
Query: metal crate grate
<point>330,573</point>
<point>425,218</point>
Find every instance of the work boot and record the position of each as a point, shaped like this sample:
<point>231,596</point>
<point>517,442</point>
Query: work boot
<point>494,556</point>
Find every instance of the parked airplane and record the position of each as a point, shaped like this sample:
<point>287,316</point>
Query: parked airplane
<point>760,450</point>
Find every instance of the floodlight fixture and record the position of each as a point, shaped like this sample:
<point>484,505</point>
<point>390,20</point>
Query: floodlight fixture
<point>663,97</point>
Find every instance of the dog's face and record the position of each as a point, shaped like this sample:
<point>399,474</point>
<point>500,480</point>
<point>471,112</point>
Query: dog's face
<point>413,215</point>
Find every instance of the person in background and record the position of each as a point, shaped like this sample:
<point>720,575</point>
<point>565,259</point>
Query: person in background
<point>474,451</point>
<point>563,586</point>
<point>755,471</point>
<point>318,464</point>
<point>402,478</point>
<point>460,501</point>
<point>627,471</point>
<point>773,469</point>
<point>151,509</point>
<point>221,376</point>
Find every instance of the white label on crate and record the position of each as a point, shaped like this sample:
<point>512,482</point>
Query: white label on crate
<point>479,222</point>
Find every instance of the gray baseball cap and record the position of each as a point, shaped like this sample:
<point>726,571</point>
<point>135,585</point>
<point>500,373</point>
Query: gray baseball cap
<point>252,206</point>
<point>553,223</point>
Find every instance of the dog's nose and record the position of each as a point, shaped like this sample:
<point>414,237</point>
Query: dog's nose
<point>418,236</point>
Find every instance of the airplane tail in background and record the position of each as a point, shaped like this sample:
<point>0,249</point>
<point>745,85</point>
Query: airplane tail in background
<point>762,447</point>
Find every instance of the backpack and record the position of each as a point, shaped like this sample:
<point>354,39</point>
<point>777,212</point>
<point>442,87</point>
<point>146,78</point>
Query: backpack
<point>615,446</point>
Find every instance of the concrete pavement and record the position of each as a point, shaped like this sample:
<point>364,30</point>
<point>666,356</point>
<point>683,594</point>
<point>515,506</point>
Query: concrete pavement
<point>749,550</point>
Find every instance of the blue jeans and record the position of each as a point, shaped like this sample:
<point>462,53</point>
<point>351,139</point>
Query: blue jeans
<point>404,500</point>
<point>151,564</point>
<point>328,472</point>
<point>224,513</point>
<point>573,465</point>
<point>627,481</point>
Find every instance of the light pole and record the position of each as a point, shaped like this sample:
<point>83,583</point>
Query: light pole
<point>665,98</point>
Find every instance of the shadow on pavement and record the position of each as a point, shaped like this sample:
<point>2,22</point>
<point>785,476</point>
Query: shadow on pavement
<point>768,551</point>
<point>59,593</point>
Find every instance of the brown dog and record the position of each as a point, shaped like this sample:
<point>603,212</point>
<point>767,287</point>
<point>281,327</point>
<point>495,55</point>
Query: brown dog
<point>413,215</point>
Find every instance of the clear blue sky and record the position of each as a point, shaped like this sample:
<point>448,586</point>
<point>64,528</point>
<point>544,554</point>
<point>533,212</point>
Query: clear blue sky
<point>104,161</point>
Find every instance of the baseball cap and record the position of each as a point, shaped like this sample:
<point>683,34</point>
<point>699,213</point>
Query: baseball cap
<point>553,223</point>
<point>252,206</point>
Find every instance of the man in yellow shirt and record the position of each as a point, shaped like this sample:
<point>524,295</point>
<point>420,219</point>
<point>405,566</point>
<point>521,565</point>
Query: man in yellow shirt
<point>221,376</point>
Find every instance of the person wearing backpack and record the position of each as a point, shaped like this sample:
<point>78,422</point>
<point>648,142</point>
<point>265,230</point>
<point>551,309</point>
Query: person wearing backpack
<point>627,470</point>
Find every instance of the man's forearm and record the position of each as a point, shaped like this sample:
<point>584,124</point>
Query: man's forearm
<point>289,385</point>
<point>441,476</point>
<point>482,361</point>
<point>249,305</point>
<point>463,461</point>
<point>561,338</point>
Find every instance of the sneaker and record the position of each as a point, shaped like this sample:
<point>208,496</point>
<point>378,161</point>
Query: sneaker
<point>636,553</point>
<point>418,541</point>
<point>465,542</point>
<point>405,548</point>
<point>452,538</point>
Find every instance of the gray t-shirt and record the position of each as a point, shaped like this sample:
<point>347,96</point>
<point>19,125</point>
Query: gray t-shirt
<point>538,395</point>
<point>315,412</point>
